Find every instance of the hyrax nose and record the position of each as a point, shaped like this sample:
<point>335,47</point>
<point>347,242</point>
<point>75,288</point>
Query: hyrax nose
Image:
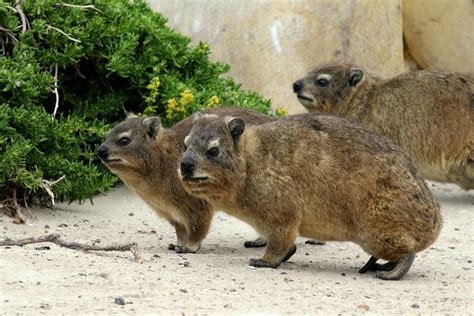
<point>187,166</point>
<point>297,85</point>
<point>102,152</point>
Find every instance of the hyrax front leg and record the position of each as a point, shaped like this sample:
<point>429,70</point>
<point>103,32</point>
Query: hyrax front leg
<point>181,236</point>
<point>196,233</point>
<point>280,248</point>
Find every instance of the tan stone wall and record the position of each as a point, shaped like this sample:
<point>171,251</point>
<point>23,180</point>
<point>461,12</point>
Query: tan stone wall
<point>270,44</point>
<point>440,33</point>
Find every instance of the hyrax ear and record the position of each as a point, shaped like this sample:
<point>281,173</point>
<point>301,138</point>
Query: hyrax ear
<point>152,125</point>
<point>355,76</point>
<point>236,126</point>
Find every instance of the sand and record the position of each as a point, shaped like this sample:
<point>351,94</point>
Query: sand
<point>317,279</point>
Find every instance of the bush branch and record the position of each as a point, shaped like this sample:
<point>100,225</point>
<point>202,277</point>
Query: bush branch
<point>63,33</point>
<point>56,93</point>
<point>56,239</point>
<point>76,6</point>
<point>48,185</point>
<point>24,20</point>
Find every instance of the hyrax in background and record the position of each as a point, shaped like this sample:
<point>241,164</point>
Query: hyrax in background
<point>428,113</point>
<point>318,176</point>
<point>144,155</point>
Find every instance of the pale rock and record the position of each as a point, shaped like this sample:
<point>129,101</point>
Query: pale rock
<point>440,34</point>
<point>270,44</point>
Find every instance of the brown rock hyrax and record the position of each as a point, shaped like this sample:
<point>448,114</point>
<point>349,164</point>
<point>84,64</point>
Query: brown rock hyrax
<point>318,176</point>
<point>144,155</point>
<point>430,114</point>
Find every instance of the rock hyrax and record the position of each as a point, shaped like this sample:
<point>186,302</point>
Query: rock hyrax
<point>430,114</point>
<point>318,176</point>
<point>144,155</point>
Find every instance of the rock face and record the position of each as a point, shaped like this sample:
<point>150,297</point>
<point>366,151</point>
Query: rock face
<point>440,33</point>
<point>270,44</point>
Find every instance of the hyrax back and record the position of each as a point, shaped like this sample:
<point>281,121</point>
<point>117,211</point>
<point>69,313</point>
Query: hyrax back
<point>319,176</point>
<point>428,113</point>
<point>144,155</point>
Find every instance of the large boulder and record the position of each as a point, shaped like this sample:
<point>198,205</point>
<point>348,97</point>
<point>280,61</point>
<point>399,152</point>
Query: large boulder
<point>440,33</point>
<point>270,44</point>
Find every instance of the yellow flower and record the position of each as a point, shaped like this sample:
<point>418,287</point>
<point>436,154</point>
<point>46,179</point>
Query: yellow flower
<point>171,104</point>
<point>281,112</point>
<point>213,101</point>
<point>186,97</point>
<point>154,83</point>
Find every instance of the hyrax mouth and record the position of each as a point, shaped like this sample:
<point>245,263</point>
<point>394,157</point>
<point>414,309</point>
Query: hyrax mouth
<point>109,161</point>
<point>302,97</point>
<point>190,179</point>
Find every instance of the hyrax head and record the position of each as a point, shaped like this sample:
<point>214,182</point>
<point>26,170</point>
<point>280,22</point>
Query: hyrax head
<point>127,146</point>
<point>211,163</point>
<point>327,86</point>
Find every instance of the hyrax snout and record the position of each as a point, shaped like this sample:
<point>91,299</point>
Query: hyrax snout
<point>144,155</point>
<point>428,113</point>
<point>314,175</point>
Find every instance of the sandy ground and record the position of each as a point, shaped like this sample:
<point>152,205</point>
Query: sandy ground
<point>217,280</point>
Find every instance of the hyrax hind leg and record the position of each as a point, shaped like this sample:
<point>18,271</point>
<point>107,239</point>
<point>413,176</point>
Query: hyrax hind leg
<point>280,248</point>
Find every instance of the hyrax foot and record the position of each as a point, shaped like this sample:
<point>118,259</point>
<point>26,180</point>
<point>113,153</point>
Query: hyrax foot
<point>290,253</point>
<point>371,265</point>
<point>259,263</point>
<point>257,243</point>
<point>187,249</point>
<point>315,242</point>
<point>172,246</point>
<point>401,268</point>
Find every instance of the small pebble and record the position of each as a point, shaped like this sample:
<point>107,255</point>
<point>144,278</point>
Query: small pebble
<point>186,263</point>
<point>119,300</point>
<point>46,226</point>
<point>183,290</point>
<point>130,214</point>
<point>415,306</point>
<point>343,274</point>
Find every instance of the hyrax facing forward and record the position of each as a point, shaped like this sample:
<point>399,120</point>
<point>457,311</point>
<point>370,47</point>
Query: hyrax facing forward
<point>319,176</point>
<point>144,155</point>
<point>430,114</point>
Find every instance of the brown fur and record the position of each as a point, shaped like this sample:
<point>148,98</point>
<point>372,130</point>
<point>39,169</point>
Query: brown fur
<point>428,113</point>
<point>314,175</point>
<point>148,166</point>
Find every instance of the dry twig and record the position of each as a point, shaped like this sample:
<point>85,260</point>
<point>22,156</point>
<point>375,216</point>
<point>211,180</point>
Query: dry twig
<point>56,239</point>
<point>76,6</point>
<point>50,27</point>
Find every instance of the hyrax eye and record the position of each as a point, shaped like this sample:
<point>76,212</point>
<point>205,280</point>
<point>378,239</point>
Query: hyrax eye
<point>322,82</point>
<point>213,152</point>
<point>124,141</point>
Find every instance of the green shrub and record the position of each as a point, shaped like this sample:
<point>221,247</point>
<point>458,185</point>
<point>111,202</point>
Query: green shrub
<point>92,62</point>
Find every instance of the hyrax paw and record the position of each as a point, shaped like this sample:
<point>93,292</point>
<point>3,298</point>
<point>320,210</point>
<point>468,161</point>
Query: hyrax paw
<point>185,249</point>
<point>259,263</point>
